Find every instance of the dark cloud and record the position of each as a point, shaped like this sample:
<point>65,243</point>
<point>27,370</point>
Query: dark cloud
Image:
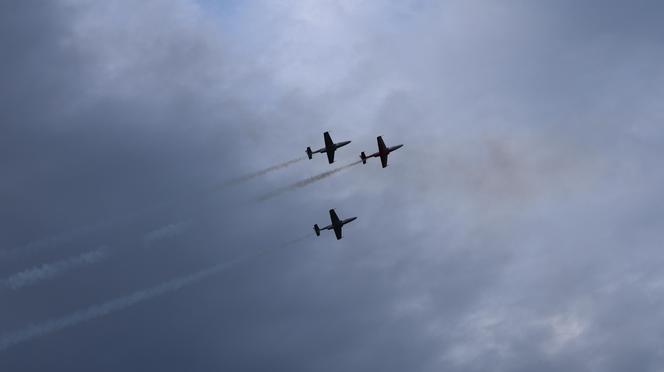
<point>518,229</point>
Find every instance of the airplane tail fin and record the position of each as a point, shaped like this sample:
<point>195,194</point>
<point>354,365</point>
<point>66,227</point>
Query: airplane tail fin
<point>317,230</point>
<point>309,153</point>
<point>363,156</point>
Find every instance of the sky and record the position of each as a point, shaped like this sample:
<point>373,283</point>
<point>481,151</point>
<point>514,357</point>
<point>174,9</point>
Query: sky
<point>158,204</point>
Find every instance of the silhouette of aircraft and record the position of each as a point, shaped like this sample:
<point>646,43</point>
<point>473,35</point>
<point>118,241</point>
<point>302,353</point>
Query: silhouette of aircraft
<point>336,225</point>
<point>383,152</point>
<point>329,149</point>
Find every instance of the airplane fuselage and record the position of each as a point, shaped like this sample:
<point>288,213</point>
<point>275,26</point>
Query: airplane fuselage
<point>385,152</point>
<point>336,225</point>
<point>347,220</point>
<point>331,148</point>
<point>393,148</point>
<point>340,144</point>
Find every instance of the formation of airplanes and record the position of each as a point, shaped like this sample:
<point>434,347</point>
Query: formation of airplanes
<point>329,149</point>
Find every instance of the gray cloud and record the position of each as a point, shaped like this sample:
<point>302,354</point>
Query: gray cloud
<point>518,229</point>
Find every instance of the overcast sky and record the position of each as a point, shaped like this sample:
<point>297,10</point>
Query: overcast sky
<point>518,229</point>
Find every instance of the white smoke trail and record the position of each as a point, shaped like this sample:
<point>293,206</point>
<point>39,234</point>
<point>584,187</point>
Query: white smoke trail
<point>36,246</point>
<point>265,171</point>
<point>41,244</point>
<point>53,325</point>
<point>165,232</point>
<point>305,182</point>
<point>33,331</point>
<point>53,269</point>
<point>298,240</point>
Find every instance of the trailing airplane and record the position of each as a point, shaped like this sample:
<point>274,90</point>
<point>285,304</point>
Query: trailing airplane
<point>336,225</point>
<point>383,152</point>
<point>329,149</point>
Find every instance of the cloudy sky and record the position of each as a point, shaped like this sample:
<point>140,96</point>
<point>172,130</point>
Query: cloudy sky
<point>518,229</point>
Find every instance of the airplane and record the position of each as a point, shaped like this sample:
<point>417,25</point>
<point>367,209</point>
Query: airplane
<point>336,224</point>
<point>329,149</point>
<point>382,153</point>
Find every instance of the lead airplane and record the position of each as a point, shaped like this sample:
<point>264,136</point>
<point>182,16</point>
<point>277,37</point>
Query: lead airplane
<point>329,149</point>
<point>383,152</point>
<point>336,225</point>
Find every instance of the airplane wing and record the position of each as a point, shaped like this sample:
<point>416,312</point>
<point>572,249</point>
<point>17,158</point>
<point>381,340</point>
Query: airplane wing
<point>337,232</point>
<point>381,145</point>
<point>330,156</point>
<point>383,160</point>
<point>328,140</point>
<point>335,219</point>
<point>329,147</point>
<point>382,151</point>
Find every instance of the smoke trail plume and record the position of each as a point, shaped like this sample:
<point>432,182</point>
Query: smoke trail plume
<point>50,270</point>
<point>33,331</point>
<point>298,240</point>
<point>265,171</point>
<point>36,246</point>
<point>168,231</point>
<point>41,244</point>
<point>305,182</point>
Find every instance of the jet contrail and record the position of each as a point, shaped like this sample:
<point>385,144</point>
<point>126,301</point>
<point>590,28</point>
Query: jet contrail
<point>34,331</point>
<point>50,270</point>
<point>168,231</point>
<point>305,182</point>
<point>265,171</point>
<point>53,325</point>
<point>41,244</point>
<point>58,239</point>
<point>297,240</point>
